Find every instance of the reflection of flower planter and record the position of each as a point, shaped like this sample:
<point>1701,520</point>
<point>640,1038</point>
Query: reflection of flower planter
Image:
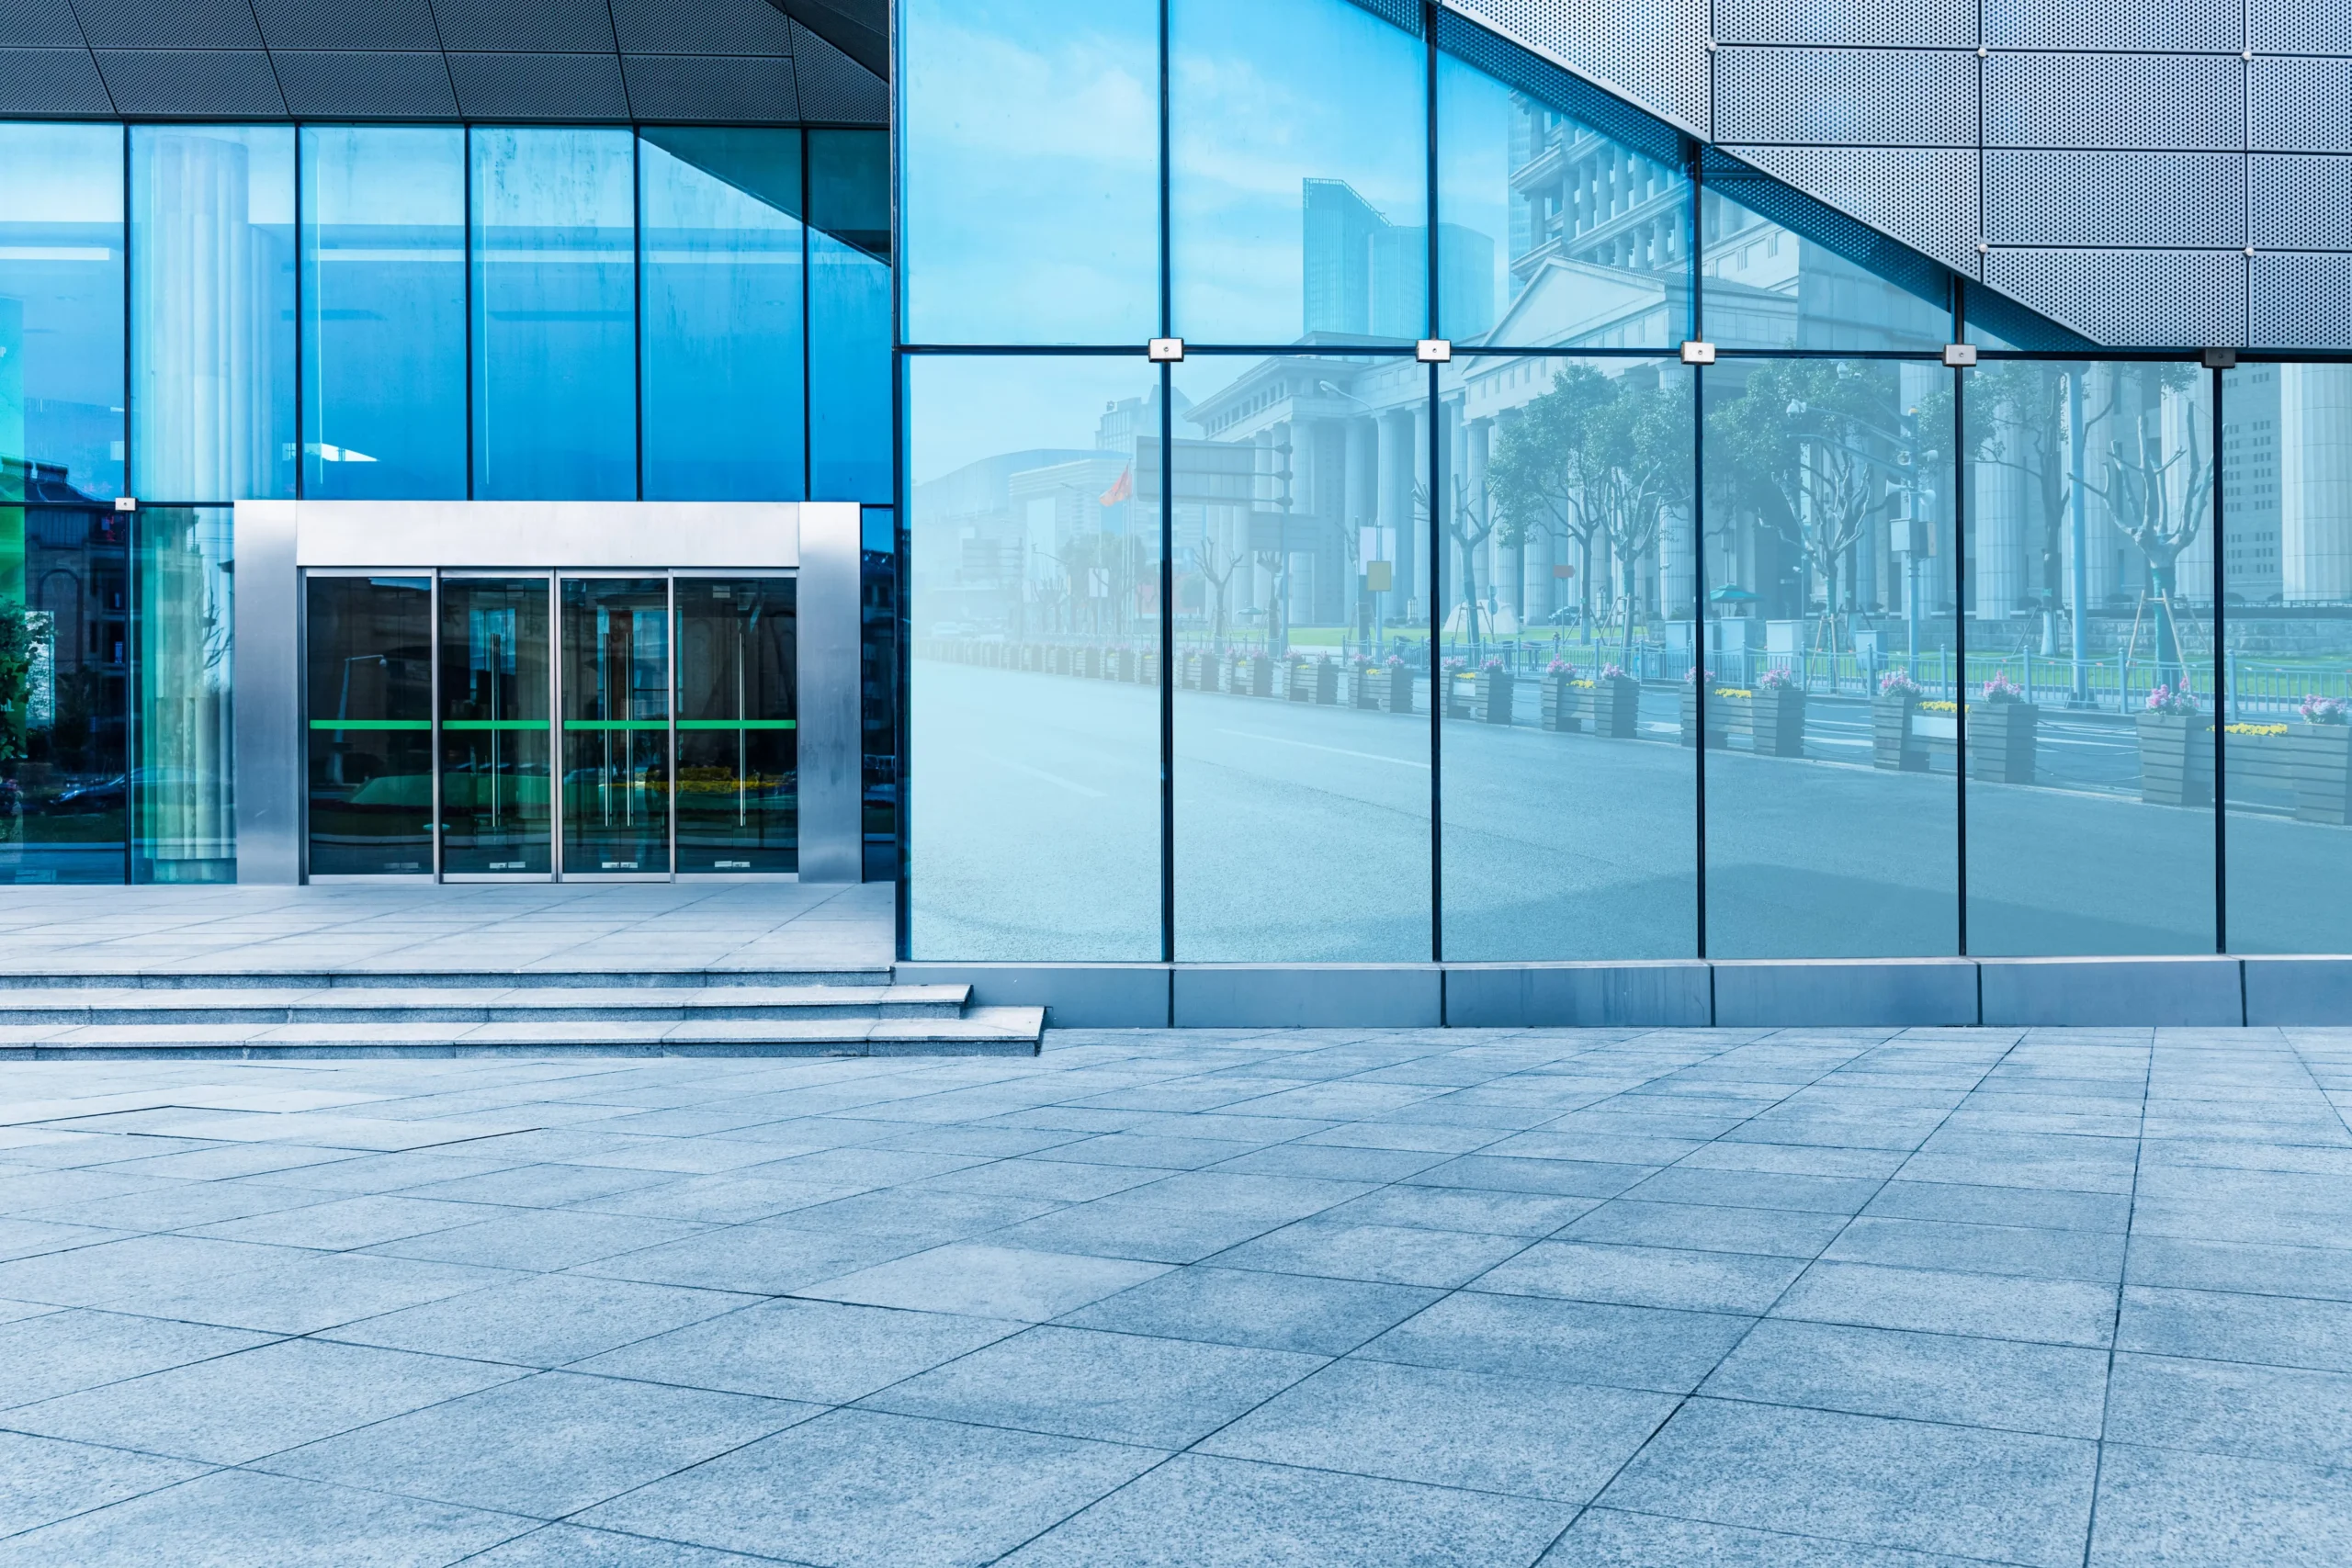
<point>1564,701</point>
<point>1188,671</point>
<point>1720,717</point>
<point>1613,707</point>
<point>1460,693</point>
<point>2322,762</point>
<point>2176,759</point>
<point>1366,686</point>
<point>1490,697</point>
<point>1090,663</point>
<point>1147,669</point>
<point>1314,680</point>
<point>1891,744</point>
<point>1776,721</point>
<point>1119,664</point>
<point>1261,676</point>
<point>1396,694</point>
<point>2001,742</point>
<point>1065,660</point>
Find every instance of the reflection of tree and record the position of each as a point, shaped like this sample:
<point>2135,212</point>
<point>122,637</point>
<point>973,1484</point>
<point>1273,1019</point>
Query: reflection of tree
<point>1813,450</point>
<point>1216,565</point>
<point>1121,559</point>
<point>1603,459</point>
<point>2157,479</point>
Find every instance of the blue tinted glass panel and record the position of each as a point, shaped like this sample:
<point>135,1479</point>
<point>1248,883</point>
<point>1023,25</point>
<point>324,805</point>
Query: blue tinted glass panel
<point>1831,640</point>
<point>2287,750</point>
<point>212,311</point>
<point>1551,230</point>
<point>1298,178</point>
<point>555,413</point>
<point>1568,596</point>
<point>2090,812</point>
<point>183,786</point>
<point>1777,270</point>
<point>1032,170</point>
<point>721,246</point>
<point>849,315</point>
<point>1034,723</point>
<point>1301,823</point>
<point>384,313</point>
<point>61,310</point>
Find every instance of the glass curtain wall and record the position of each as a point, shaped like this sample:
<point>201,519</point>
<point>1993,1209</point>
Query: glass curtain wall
<point>2082,615</point>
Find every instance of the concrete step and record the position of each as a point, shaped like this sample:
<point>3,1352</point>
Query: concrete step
<point>433,979</point>
<point>985,1031</point>
<point>150,1008</point>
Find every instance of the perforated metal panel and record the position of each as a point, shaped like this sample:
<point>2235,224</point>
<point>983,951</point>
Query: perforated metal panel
<point>1925,197</point>
<point>2115,100</point>
<point>53,84</point>
<point>229,84</point>
<point>1653,52</point>
<point>324,85</point>
<point>835,89</point>
<point>2298,301</point>
<point>755,89</point>
<point>2183,24</point>
<point>2304,27</point>
<point>38,24</point>
<point>2300,201</point>
<point>1405,13</point>
<point>347,24</point>
<point>700,27</point>
<point>539,86</point>
<point>2113,198</point>
<point>1884,97</point>
<point>2132,299</point>
<point>1918,24</point>
<point>525,26</point>
<point>2300,106</point>
<point>168,24</point>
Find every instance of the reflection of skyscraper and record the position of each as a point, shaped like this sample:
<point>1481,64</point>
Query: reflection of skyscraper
<point>1578,196</point>
<point>1365,277</point>
<point>2250,485</point>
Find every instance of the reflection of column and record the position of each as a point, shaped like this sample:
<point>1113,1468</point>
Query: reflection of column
<point>2315,482</point>
<point>1678,590</point>
<point>2002,502</point>
<point>1359,503</point>
<point>1478,435</point>
<point>1425,582</point>
<point>1395,497</point>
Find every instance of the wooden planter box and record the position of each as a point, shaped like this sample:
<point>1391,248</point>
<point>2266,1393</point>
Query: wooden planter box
<point>1563,703</point>
<point>1396,694</point>
<point>2001,744</point>
<point>1719,716</point>
<point>1261,676</point>
<point>1491,696</point>
<point>1118,664</point>
<point>1613,707</point>
<point>1892,746</point>
<point>1460,690</point>
<point>2322,765</point>
<point>1090,663</point>
<point>2176,759</point>
<point>1368,685</point>
<point>1065,660</point>
<point>1147,669</point>
<point>1323,682</point>
<point>1776,721</point>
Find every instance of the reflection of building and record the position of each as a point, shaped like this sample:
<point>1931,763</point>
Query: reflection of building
<point>1365,277</point>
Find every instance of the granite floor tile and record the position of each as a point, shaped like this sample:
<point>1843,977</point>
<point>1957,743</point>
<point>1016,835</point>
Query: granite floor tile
<point>556,1442</point>
<point>539,1239</point>
<point>1982,1249</point>
<point>1961,1491</point>
<point>1524,1436</point>
<point>768,1257</point>
<point>548,1320</point>
<point>1607,1537</point>
<point>235,1518</point>
<point>2162,1508</point>
<point>1618,1347</point>
<point>43,1480</point>
<point>2278,1330</point>
<point>1275,1312</point>
<point>2054,1389</point>
<point>239,1407</point>
<point>1012,1282</point>
<point>861,1489</point>
<point>569,1546</point>
<point>345,1224</point>
<point>2058,1312</point>
<point>1783,1233</point>
<point>1093,1383</point>
<point>65,1352</point>
<point>1757,1190</point>
<point>2232,1407</point>
<point>1199,1512</point>
<point>1395,1255</point>
<point>823,1351</point>
<point>281,1290</point>
<point>2031,1207</point>
<point>1461,1208</point>
<point>1645,1276</point>
<point>2322,1273</point>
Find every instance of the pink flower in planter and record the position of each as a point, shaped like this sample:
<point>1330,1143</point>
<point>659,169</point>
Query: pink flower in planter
<point>1560,667</point>
<point>1898,684</point>
<point>2174,700</point>
<point>1494,665</point>
<point>1774,680</point>
<point>2001,689</point>
<point>2317,709</point>
<point>1613,672</point>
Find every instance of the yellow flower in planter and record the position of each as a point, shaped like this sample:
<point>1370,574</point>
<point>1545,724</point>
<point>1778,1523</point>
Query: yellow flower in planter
<point>1734,692</point>
<point>2255,729</point>
<point>1939,707</point>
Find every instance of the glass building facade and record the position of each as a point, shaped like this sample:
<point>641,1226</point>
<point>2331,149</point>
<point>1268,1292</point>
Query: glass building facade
<point>1722,579</point>
<point>194,315</point>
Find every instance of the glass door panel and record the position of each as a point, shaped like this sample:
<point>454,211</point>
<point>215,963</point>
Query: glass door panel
<point>738,793</point>
<point>63,751</point>
<point>496,812</point>
<point>615,682</point>
<point>369,689</point>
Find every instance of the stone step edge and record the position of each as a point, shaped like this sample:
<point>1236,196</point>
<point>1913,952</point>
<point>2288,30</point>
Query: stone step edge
<point>469,980</point>
<point>392,1005</point>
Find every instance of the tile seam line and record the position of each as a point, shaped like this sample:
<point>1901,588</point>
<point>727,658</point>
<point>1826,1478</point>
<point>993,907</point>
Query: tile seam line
<point>2115,1328</point>
<point>1684,1401</point>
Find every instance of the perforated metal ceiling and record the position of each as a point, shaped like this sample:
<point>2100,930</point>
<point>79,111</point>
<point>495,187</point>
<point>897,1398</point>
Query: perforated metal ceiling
<point>723,61</point>
<point>2166,173</point>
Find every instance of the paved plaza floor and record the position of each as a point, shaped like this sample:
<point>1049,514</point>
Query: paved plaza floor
<point>1840,1299</point>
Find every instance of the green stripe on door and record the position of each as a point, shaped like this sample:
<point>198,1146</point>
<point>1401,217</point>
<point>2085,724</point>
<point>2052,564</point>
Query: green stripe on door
<point>512,725</point>
<point>371,724</point>
<point>738,723</point>
<point>595,724</point>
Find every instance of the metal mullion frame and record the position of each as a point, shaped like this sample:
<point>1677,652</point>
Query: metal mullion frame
<point>669,701</point>
<point>558,763</point>
<point>466,156</point>
<point>1960,467</point>
<point>1439,445</point>
<point>2221,688</point>
<point>1167,524</point>
<point>636,295</point>
<point>1700,679</point>
<point>433,732</point>
<point>902,573</point>
<point>134,737</point>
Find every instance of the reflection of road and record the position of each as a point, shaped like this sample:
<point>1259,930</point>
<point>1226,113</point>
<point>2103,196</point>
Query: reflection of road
<point>1302,834</point>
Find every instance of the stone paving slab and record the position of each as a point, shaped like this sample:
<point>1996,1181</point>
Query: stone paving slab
<point>1611,1299</point>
